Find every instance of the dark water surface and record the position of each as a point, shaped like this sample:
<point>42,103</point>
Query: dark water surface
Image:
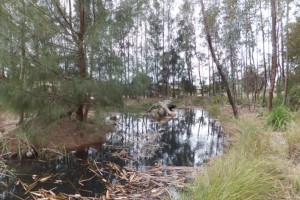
<point>189,139</point>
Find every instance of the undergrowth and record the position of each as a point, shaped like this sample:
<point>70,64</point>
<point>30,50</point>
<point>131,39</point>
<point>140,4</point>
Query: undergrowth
<point>279,118</point>
<point>246,172</point>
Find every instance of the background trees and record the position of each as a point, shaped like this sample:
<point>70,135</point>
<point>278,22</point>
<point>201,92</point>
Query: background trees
<point>57,54</point>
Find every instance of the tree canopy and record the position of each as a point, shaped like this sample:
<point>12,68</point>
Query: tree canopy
<point>58,55</point>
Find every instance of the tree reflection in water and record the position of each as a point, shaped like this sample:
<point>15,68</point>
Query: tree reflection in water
<point>189,139</point>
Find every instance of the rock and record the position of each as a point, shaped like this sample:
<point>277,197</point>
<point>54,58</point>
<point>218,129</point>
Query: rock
<point>30,154</point>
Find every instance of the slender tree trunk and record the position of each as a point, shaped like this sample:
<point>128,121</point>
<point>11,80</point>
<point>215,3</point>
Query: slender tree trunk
<point>264,56</point>
<point>23,61</point>
<point>219,66</point>
<point>233,70</point>
<point>286,55</point>
<point>81,57</point>
<point>274,53</point>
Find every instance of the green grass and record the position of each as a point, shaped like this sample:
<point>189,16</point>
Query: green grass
<point>214,110</point>
<point>296,184</point>
<point>245,172</point>
<point>293,133</point>
<point>236,177</point>
<point>279,118</point>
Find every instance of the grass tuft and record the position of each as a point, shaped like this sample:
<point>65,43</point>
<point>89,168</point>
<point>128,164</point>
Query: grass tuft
<point>293,140</point>
<point>246,172</point>
<point>279,118</point>
<point>237,177</point>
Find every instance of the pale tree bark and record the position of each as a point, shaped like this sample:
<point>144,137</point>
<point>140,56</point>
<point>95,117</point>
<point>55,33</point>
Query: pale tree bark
<point>264,54</point>
<point>286,54</point>
<point>274,53</point>
<point>218,64</point>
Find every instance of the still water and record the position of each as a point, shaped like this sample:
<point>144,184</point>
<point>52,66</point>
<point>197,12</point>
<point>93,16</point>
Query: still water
<point>189,139</point>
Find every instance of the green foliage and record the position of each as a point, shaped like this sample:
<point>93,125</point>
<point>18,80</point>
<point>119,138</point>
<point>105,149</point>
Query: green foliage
<point>18,99</point>
<point>279,118</point>
<point>186,86</point>
<point>140,85</point>
<point>296,185</point>
<point>294,42</point>
<point>217,99</point>
<point>109,93</point>
<point>294,97</point>
<point>198,101</point>
<point>214,110</point>
<point>278,100</point>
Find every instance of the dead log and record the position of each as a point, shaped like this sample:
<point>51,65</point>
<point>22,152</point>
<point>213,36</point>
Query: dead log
<point>163,109</point>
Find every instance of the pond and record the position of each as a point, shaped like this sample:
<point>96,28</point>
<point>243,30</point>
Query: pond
<point>189,139</point>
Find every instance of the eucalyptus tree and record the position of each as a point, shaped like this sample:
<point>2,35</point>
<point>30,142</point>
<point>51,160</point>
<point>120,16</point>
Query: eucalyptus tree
<point>293,43</point>
<point>155,32</point>
<point>231,37</point>
<point>274,52</point>
<point>220,67</point>
<point>263,34</point>
<point>186,39</point>
<point>287,51</point>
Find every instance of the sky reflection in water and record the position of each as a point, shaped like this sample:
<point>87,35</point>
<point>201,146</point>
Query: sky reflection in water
<point>189,139</point>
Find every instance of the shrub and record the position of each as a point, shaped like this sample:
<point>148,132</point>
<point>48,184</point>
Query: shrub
<point>279,118</point>
<point>294,97</point>
<point>278,100</point>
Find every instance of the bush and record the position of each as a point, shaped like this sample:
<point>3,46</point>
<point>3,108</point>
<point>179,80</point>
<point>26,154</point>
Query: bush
<point>278,100</point>
<point>279,118</point>
<point>294,97</point>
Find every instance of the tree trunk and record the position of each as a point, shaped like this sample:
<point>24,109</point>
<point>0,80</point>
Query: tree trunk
<point>81,56</point>
<point>274,54</point>
<point>286,55</point>
<point>23,72</point>
<point>264,56</point>
<point>216,61</point>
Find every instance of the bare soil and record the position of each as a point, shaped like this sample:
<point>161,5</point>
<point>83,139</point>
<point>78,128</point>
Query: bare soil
<point>65,134</point>
<point>68,135</point>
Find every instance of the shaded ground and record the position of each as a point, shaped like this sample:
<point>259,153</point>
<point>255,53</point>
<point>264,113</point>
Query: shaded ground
<point>8,122</point>
<point>67,134</point>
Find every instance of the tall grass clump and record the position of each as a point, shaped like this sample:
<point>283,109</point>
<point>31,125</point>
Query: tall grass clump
<point>236,177</point>
<point>293,133</point>
<point>279,118</point>
<point>245,172</point>
<point>293,140</point>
